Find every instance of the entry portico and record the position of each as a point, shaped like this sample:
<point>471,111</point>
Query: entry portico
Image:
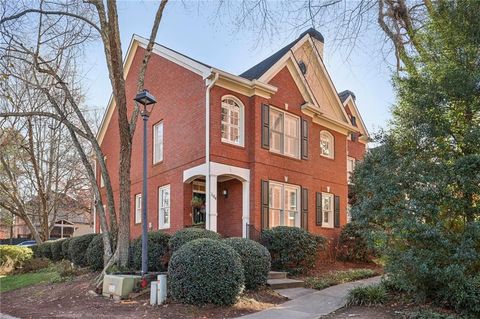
<point>221,173</point>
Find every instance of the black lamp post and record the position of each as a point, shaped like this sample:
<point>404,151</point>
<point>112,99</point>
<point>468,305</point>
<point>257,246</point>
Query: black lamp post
<point>145,99</point>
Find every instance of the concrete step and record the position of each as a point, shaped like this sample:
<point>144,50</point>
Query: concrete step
<point>277,275</point>
<point>285,283</point>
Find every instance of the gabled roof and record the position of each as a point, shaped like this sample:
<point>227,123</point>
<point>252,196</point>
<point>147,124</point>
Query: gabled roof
<point>258,70</point>
<point>345,94</point>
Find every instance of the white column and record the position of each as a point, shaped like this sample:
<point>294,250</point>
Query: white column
<point>245,207</point>
<point>212,213</point>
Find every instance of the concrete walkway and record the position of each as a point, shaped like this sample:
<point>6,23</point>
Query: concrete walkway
<point>309,303</point>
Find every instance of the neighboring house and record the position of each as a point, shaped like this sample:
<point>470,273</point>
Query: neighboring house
<point>72,218</point>
<point>281,143</point>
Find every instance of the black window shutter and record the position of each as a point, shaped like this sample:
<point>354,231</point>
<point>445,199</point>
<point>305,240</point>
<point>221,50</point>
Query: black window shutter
<point>265,126</point>
<point>304,217</point>
<point>318,208</point>
<point>304,143</point>
<point>265,199</point>
<point>336,217</point>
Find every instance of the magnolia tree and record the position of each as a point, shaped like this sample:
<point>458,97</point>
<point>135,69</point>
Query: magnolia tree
<point>421,185</point>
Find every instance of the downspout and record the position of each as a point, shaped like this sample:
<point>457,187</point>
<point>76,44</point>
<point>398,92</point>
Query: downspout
<point>207,147</point>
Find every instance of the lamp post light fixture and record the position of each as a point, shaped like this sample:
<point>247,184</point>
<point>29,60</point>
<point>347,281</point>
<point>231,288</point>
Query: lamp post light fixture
<point>146,99</point>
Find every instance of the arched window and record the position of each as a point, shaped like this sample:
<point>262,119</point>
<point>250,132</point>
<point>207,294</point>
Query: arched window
<point>232,121</point>
<point>327,144</point>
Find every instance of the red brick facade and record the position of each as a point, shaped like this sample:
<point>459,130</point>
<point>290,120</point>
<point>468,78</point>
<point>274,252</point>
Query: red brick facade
<point>181,106</point>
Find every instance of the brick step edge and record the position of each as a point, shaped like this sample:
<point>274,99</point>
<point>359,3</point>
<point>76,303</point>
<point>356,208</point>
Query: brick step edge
<point>285,283</point>
<point>277,275</point>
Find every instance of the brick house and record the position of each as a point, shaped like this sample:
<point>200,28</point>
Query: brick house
<point>272,146</point>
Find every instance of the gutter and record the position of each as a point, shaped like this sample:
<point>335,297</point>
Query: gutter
<point>207,144</point>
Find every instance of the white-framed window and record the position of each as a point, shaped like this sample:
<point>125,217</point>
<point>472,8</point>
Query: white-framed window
<point>232,121</point>
<point>350,168</point>
<point>349,213</point>
<point>327,209</point>
<point>102,182</point>
<point>284,205</point>
<point>138,208</point>
<point>327,144</point>
<point>164,207</point>
<point>284,133</point>
<point>158,142</point>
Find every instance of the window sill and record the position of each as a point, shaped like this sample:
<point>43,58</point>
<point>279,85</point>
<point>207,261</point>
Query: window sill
<point>157,163</point>
<point>163,228</point>
<point>240,146</point>
<point>285,156</point>
<point>327,157</point>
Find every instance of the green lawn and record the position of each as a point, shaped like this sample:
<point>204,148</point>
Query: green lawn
<point>338,277</point>
<point>12,282</point>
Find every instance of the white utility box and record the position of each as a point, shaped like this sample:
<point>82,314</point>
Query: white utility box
<point>120,285</point>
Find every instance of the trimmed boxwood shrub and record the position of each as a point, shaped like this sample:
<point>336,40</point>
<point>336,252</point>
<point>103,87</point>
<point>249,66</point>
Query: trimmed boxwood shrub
<point>353,245</point>
<point>255,259</point>
<point>44,250</point>
<point>188,234</point>
<point>292,249</point>
<point>65,246</point>
<point>205,271</point>
<point>94,253</point>
<point>77,248</point>
<point>157,251</point>
<point>56,248</point>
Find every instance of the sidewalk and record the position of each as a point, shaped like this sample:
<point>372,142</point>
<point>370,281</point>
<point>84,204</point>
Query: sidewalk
<point>309,303</point>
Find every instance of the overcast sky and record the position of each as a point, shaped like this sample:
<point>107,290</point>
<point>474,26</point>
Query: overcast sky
<point>200,35</point>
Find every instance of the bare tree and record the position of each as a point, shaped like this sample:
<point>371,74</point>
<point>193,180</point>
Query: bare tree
<point>37,165</point>
<point>99,18</point>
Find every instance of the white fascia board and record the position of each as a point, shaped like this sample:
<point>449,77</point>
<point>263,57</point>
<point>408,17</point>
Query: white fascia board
<point>357,114</point>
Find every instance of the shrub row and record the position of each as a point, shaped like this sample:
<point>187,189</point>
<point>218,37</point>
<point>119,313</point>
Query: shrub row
<point>292,249</point>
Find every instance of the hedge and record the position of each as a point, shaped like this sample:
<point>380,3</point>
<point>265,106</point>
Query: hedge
<point>56,248</point>
<point>94,253</point>
<point>44,250</point>
<point>157,251</point>
<point>205,271</point>
<point>17,254</point>
<point>77,249</point>
<point>353,245</point>
<point>292,249</point>
<point>65,246</point>
<point>188,234</point>
<point>255,259</point>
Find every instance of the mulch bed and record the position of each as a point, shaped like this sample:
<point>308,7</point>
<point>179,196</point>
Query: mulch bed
<point>323,267</point>
<point>72,300</point>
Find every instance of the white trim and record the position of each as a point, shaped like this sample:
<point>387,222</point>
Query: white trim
<point>213,170</point>
<point>332,144</point>
<point>282,152</point>
<point>241,121</point>
<point>349,158</point>
<point>363,127</point>
<point>154,140</point>
<point>138,208</point>
<point>282,210</point>
<point>331,212</point>
<point>161,224</point>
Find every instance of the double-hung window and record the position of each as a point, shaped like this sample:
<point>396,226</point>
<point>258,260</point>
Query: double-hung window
<point>158,143</point>
<point>164,207</point>
<point>350,168</point>
<point>284,133</point>
<point>232,121</point>
<point>327,144</point>
<point>327,209</point>
<point>284,205</point>
<point>138,208</point>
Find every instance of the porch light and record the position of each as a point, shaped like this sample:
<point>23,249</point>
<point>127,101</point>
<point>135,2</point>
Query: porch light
<point>225,193</point>
<point>145,98</point>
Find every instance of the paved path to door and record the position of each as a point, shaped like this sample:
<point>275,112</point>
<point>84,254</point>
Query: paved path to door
<point>309,303</point>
